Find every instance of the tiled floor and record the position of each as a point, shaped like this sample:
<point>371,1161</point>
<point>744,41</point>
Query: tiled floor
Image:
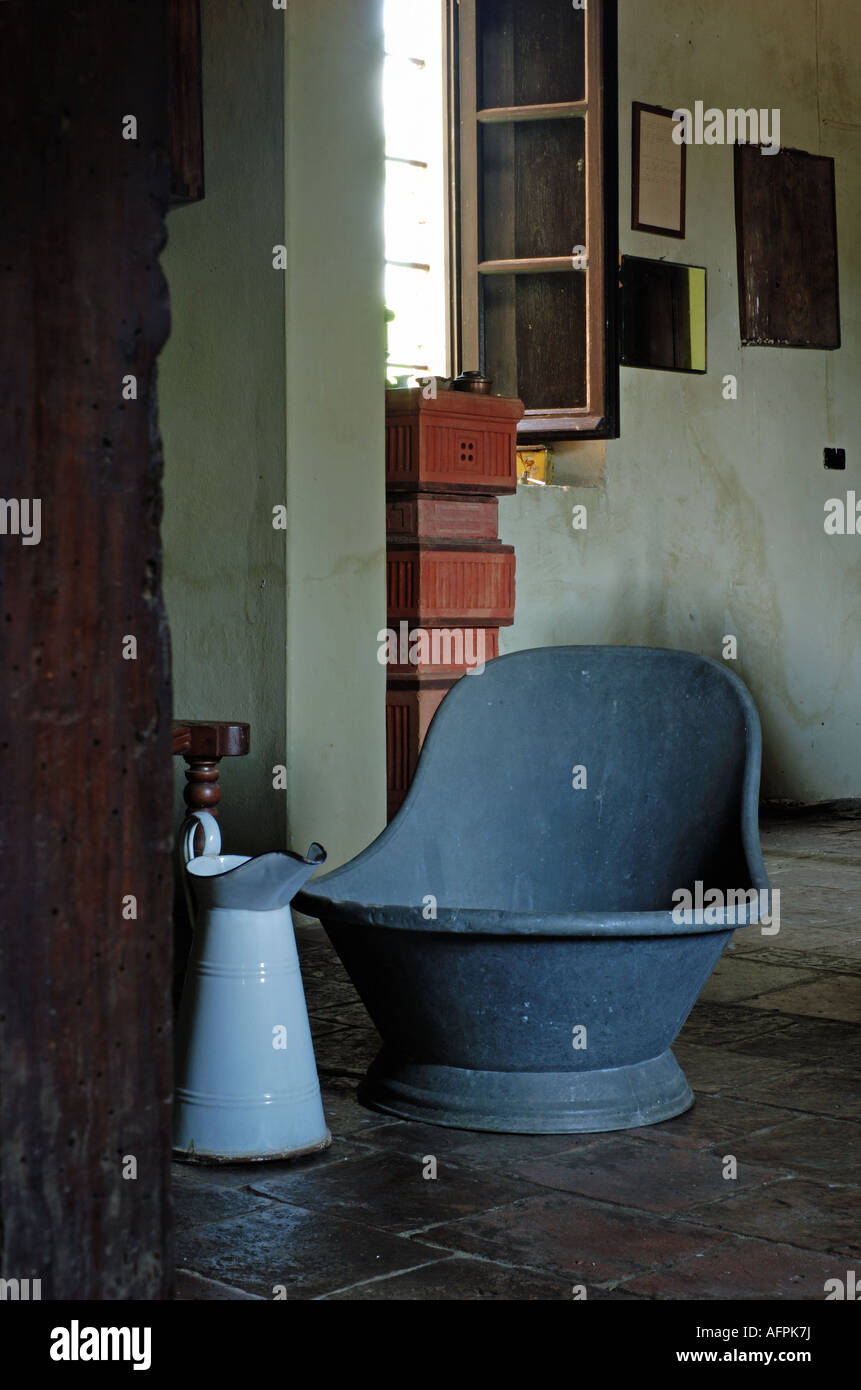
<point>772,1052</point>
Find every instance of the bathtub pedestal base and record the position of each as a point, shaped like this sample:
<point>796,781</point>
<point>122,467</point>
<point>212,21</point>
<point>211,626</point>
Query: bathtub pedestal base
<point>529,1102</point>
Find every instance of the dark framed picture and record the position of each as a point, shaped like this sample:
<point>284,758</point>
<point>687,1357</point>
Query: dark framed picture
<point>658,167</point>
<point>786,235</point>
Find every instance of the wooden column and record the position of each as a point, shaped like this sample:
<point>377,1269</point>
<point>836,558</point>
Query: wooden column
<point>450,580</point>
<point>85,737</point>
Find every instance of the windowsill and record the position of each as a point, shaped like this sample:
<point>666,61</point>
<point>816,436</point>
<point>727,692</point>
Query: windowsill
<point>576,463</point>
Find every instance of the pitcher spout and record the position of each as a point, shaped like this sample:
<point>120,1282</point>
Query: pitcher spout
<point>262,884</point>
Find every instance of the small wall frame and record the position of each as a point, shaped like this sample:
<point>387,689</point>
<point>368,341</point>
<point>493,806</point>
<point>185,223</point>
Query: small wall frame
<point>658,171</point>
<point>786,239</point>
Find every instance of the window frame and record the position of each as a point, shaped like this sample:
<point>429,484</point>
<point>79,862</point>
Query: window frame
<point>598,417</point>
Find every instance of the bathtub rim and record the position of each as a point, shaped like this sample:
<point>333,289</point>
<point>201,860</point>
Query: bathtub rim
<point>502,923</point>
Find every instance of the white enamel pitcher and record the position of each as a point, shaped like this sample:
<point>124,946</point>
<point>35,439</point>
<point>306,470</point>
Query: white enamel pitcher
<point>246,1078</point>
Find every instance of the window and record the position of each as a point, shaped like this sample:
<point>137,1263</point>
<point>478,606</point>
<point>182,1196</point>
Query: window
<point>416,187</point>
<point>536,216</point>
<point>501,205</point>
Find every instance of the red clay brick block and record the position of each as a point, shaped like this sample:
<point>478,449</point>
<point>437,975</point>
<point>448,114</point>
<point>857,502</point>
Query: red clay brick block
<point>410,707</point>
<point>429,517</point>
<point>457,442</point>
<point>448,577</point>
<point>448,588</point>
<point>440,651</point>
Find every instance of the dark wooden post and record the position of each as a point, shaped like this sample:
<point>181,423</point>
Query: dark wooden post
<point>186,102</point>
<point>85,769</point>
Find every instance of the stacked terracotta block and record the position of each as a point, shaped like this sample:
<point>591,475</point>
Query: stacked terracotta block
<point>450,580</point>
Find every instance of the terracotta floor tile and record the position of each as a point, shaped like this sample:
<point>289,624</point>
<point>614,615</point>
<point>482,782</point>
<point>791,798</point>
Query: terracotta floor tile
<point>818,1092</point>
<point>205,1203</point>
<point>309,1252</point>
<point>458,1279</point>
<point>810,873</point>
<point>351,1012</point>
<point>469,1149</point>
<point>713,1121</point>
<point>585,1242</point>
<point>323,993</point>
<point>711,1069</point>
<point>743,1269</point>
<point>796,1212</point>
<point>344,1114</point>
<point>742,944</point>
<point>190,1177</point>
<point>805,1042</point>
<point>716,1025</point>
<point>389,1190</point>
<point>810,958</point>
<point>801,897</point>
<point>743,979</point>
<point>653,1177</point>
<point>193,1288</point>
<point>814,935</point>
<point>824,840</point>
<point>347,1052</point>
<point>319,960</point>
<point>830,996</point>
<point>321,1026</point>
<point>829,1148</point>
<point>319,956</point>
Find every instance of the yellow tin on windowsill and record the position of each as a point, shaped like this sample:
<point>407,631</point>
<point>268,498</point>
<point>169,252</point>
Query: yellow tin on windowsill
<point>535,464</point>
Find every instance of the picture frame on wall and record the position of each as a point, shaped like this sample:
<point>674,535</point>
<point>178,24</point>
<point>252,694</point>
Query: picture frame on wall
<point>658,172</point>
<point>786,242</point>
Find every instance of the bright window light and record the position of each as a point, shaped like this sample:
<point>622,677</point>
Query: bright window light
<point>415,190</point>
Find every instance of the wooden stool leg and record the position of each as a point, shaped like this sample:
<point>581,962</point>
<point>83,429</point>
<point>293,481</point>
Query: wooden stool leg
<point>203,743</point>
<point>202,791</point>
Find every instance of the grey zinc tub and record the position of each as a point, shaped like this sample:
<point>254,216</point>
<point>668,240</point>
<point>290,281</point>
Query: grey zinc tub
<point>528,933</point>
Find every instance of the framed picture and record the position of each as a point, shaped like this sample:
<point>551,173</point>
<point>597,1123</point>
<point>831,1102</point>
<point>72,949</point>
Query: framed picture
<point>786,235</point>
<point>657,172</point>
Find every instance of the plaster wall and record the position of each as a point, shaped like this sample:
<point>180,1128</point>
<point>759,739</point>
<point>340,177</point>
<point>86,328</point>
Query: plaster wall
<point>222,402</point>
<point>705,517</point>
<point>336,603</point>
<point>272,393</point>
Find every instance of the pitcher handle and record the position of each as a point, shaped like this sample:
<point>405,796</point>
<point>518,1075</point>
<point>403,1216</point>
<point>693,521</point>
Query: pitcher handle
<point>210,829</point>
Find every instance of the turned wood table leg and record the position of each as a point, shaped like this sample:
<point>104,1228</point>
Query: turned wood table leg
<point>202,791</point>
<point>203,744</point>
